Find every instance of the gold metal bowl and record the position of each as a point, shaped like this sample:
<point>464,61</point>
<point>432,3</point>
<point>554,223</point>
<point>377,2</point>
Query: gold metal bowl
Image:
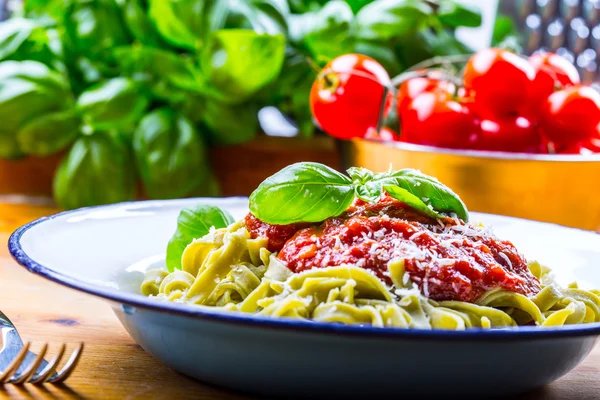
<point>564,189</point>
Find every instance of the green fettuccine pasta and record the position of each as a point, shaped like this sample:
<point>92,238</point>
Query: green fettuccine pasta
<point>228,269</point>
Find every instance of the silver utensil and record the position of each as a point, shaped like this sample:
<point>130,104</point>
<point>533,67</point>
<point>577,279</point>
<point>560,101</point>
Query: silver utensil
<point>18,365</point>
<point>570,28</point>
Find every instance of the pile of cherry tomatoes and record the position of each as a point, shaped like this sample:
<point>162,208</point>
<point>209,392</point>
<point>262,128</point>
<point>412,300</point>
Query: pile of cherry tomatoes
<point>502,102</point>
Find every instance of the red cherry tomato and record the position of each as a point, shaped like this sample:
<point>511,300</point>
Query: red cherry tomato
<point>415,86</point>
<point>544,146</point>
<point>435,119</point>
<point>571,115</point>
<point>501,82</point>
<point>591,146</point>
<point>514,134</point>
<point>385,134</point>
<point>551,70</point>
<point>576,148</point>
<point>346,97</point>
<point>465,95</point>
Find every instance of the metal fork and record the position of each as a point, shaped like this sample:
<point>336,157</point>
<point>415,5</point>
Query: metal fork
<point>18,365</point>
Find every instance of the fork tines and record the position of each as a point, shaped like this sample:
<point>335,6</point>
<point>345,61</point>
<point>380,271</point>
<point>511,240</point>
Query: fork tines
<point>47,374</point>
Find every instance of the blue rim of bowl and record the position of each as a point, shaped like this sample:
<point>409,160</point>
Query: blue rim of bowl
<point>140,301</point>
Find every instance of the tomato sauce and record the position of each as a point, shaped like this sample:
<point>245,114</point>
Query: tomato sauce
<point>445,259</point>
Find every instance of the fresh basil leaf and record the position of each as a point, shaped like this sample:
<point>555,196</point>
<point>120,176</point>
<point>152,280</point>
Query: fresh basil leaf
<point>237,63</point>
<point>414,48</point>
<point>187,23</point>
<point>139,24</point>
<point>44,10</point>
<point>506,35</point>
<point>303,6</point>
<point>95,27</point>
<point>444,43</point>
<point>41,46</point>
<point>381,52</point>
<point>262,16</point>
<point>356,5</point>
<point>23,39</point>
<point>83,73</point>
<point>302,192</point>
<point>386,19</point>
<point>117,103</point>
<point>28,89</point>
<point>454,14</point>
<point>192,106</point>
<point>360,175</point>
<point>410,200</point>
<point>9,148</point>
<point>170,155</point>
<point>364,188</point>
<point>427,189</point>
<point>49,133</point>
<point>325,33</point>
<point>368,193</point>
<point>230,124</point>
<point>97,170</point>
<point>13,33</point>
<point>161,69</point>
<point>194,223</point>
<point>38,73</point>
<point>503,27</point>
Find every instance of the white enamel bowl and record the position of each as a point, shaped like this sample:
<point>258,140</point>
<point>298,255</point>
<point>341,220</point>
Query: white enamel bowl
<point>104,251</point>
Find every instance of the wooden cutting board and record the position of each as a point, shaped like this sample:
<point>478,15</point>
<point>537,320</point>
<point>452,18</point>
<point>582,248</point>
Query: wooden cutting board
<point>113,366</point>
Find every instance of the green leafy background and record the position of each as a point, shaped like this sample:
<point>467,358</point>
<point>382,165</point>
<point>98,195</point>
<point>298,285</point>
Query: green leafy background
<point>139,90</point>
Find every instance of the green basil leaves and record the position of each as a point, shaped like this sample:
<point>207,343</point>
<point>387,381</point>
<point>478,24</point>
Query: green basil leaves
<point>302,192</point>
<point>431,191</point>
<point>312,192</point>
<point>97,170</point>
<point>193,223</point>
<point>238,63</point>
<point>28,93</point>
<point>170,154</point>
<point>113,104</point>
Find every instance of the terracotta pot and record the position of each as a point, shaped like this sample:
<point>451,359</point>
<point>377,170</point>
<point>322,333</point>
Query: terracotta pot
<point>239,169</point>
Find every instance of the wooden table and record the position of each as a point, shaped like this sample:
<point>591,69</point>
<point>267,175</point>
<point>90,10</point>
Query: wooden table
<point>113,366</point>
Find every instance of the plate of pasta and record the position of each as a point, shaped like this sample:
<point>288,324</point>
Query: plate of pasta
<point>334,284</point>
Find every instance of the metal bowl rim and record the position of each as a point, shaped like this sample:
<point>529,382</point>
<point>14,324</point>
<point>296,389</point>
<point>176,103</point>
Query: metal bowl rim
<point>486,154</point>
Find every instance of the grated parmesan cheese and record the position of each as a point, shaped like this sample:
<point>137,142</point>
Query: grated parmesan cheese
<point>505,257</point>
<point>373,248</point>
<point>456,287</point>
<point>405,278</point>
<point>338,243</point>
<point>426,288</point>
<point>379,234</point>
<point>416,235</point>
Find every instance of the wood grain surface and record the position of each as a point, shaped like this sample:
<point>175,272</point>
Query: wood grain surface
<point>113,366</point>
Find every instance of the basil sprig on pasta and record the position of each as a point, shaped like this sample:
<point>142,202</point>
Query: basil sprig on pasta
<point>313,192</point>
<point>194,223</point>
